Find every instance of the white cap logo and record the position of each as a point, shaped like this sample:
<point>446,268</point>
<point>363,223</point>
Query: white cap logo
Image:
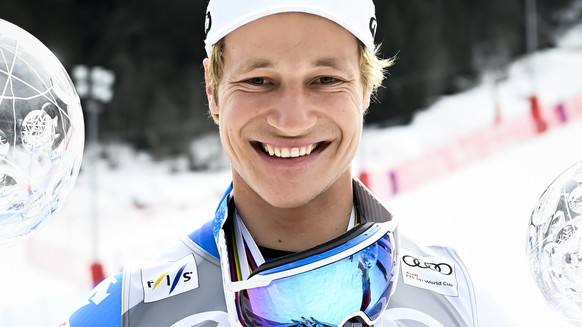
<point>207,23</point>
<point>373,26</point>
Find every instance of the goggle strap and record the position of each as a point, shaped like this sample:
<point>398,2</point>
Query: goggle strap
<point>245,244</point>
<point>357,230</point>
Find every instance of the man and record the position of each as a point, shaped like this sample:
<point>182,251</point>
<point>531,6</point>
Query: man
<point>296,240</point>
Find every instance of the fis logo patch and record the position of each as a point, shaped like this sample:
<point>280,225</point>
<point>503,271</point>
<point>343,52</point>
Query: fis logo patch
<point>162,280</point>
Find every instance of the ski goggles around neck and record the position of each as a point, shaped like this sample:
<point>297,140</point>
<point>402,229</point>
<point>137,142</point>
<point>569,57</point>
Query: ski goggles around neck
<point>348,279</point>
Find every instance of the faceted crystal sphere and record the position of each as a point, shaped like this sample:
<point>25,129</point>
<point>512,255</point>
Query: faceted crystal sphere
<point>554,244</point>
<point>41,134</point>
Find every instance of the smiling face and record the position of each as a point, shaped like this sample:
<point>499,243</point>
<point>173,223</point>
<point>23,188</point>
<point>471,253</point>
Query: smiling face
<point>290,105</point>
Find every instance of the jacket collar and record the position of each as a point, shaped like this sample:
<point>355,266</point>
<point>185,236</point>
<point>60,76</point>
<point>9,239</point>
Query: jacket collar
<point>368,206</point>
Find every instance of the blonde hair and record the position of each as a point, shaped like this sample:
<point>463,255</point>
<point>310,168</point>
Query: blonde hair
<point>372,69</point>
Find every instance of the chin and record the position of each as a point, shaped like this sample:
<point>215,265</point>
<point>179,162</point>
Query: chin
<point>290,197</point>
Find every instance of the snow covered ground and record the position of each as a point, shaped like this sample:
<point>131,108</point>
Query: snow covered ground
<point>481,209</point>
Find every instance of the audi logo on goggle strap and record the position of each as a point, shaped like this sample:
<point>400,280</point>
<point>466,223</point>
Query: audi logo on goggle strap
<point>443,268</point>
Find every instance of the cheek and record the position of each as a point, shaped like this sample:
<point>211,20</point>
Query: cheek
<point>234,120</point>
<point>350,115</point>
<point>238,106</point>
<point>228,139</point>
<point>351,123</point>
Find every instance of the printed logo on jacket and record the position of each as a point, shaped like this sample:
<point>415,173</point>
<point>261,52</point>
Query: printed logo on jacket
<point>436,274</point>
<point>162,280</point>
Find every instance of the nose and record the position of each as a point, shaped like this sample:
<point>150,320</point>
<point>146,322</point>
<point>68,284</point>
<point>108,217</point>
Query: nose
<point>292,113</point>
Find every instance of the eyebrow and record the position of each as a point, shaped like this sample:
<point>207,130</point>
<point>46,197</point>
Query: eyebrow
<point>334,63</point>
<point>330,62</point>
<point>254,64</point>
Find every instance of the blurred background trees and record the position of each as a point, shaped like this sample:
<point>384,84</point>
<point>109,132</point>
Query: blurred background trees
<point>156,48</point>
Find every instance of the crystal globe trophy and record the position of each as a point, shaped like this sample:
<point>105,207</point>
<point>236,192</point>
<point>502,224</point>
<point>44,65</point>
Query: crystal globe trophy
<point>554,244</point>
<point>41,134</point>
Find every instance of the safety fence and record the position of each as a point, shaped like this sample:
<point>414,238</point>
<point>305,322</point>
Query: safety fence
<point>471,147</point>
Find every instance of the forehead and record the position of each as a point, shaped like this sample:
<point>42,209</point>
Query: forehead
<point>291,36</point>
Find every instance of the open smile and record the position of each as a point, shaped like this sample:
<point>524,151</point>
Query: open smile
<point>290,152</point>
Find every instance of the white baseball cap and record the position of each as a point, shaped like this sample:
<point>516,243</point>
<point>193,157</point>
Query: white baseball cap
<point>356,16</point>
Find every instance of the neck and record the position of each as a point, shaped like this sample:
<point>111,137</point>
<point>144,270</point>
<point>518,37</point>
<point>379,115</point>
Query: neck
<point>297,228</point>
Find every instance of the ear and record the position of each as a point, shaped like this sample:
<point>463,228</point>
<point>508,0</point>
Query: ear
<point>209,90</point>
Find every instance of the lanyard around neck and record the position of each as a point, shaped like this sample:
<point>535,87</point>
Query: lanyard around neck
<point>246,252</point>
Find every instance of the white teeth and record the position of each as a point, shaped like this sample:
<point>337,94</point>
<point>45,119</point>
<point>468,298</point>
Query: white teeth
<point>289,152</point>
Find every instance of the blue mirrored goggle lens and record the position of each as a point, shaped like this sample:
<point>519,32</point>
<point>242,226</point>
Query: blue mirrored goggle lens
<point>326,296</point>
